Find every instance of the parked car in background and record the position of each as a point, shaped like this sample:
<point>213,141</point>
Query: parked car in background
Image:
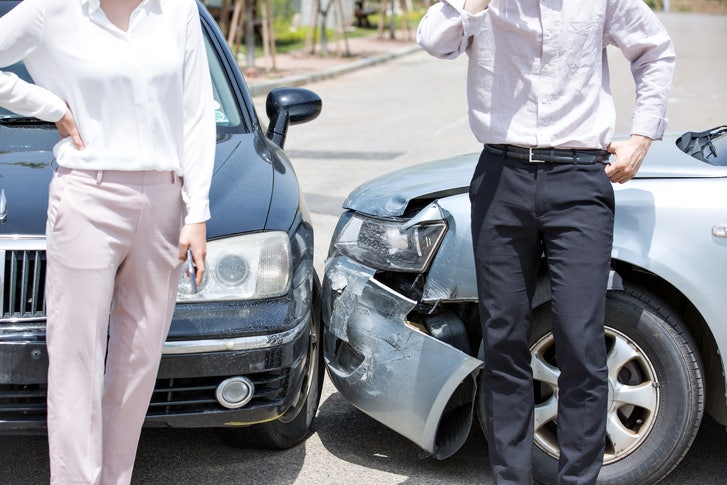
<point>402,337</point>
<point>243,354</point>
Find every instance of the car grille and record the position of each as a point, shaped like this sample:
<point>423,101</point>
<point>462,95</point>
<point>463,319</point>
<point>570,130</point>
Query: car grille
<point>23,301</point>
<point>23,280</point>
<point>23,402</point>
<point>175,396</point>
<point>195,395</point>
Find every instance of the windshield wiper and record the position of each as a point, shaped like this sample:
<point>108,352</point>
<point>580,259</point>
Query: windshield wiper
<point>22,120</point>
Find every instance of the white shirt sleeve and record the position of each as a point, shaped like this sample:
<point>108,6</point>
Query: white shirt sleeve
<point>200,129</point>
<point>21,30</point>
<point>644,41</point>
<point>446,28</point>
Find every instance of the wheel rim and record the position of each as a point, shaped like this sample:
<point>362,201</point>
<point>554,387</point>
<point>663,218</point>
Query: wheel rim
<point>633,395</point>
<point>310,379</point>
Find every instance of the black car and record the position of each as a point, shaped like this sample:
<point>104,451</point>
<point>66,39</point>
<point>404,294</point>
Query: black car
<point>243,353</point>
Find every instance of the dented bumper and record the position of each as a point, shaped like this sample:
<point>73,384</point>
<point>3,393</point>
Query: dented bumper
<point>386,367</point>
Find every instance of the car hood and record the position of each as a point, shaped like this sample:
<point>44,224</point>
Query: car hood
<point>390,194</point>
<point>242,178</point>
<point>25,156</point>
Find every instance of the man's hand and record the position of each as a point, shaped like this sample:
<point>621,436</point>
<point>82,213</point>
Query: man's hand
<point>475,6</point>
<point>628,156</point>
<point>194,236</point>
<point>67,127</point>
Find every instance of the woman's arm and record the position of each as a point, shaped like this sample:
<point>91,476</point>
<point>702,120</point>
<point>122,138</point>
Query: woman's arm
<point>21,31</point>
<point>200,138</point>
<point>199,124</point>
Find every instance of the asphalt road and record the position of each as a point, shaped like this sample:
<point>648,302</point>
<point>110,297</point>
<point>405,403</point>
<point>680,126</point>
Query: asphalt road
<point>374,121</point>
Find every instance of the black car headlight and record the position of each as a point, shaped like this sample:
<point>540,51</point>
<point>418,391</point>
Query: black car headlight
<point>248,267</point>
<point>391,245</point>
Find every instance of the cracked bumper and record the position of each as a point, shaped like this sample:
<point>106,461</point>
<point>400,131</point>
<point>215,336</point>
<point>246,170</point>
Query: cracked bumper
<point>384,366</point>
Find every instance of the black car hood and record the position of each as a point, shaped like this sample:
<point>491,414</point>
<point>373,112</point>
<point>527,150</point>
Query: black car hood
<point>25,172</point>
<point>242,178</point>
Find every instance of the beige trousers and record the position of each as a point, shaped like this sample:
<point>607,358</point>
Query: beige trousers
<point>111,285</point>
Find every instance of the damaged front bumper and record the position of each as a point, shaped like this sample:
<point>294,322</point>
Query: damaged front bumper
<point>389,368</point>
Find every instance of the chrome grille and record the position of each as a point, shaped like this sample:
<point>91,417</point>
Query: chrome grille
<point>22,273</point>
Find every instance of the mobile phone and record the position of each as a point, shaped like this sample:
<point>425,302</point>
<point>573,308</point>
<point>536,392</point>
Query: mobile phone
<point>191,268</point>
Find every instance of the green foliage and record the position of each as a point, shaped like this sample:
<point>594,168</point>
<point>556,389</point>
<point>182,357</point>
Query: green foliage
<point>283,11</point>
<point>709,6</point>
<point>290,35</point>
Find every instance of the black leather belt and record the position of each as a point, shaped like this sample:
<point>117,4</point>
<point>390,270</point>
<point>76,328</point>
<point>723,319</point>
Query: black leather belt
<point>552,155</point>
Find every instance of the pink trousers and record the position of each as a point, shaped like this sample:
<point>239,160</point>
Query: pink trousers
<point>112,273</point>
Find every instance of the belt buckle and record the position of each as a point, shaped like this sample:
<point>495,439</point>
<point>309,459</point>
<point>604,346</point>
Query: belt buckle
<point>530,157</point>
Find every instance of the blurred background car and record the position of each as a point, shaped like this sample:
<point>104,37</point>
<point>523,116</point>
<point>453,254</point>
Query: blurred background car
<point>243,354</point>
<point>402,336</point>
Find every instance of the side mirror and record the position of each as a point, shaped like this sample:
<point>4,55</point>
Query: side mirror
<point>289,106</point>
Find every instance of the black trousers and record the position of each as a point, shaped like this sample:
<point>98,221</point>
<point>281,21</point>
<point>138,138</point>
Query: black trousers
<point>520,212</point>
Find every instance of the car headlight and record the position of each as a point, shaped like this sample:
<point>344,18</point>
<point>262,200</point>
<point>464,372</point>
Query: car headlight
<point>390,244</point>
<point>247,267</point>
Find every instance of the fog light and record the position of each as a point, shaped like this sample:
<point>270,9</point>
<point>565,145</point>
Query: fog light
<point>235,392</point>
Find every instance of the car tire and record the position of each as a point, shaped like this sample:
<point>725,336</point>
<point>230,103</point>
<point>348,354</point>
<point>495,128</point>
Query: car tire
<point>651,357</point>
<point>296,424</point>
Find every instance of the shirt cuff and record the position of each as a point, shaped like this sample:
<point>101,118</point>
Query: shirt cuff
<point>56,110</point>
<point>470,21</point>
<point>198,211</point>
<point>649,125</point>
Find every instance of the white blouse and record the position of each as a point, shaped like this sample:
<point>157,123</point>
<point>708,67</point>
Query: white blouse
<point>142,99</point>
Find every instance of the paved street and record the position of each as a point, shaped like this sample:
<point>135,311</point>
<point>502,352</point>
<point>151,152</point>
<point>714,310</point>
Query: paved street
<point>374,121</point>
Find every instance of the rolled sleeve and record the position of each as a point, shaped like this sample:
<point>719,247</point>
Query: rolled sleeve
<point>445,29</point>
<point>646,44</point>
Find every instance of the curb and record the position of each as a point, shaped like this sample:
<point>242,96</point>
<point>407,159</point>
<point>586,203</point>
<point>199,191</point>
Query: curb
<point>262,88</point>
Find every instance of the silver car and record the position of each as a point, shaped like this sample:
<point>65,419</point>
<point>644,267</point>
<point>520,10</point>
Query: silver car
<point>402,334</point>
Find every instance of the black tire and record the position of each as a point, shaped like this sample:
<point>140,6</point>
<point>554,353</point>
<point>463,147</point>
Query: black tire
<point>296,424</point>
<point>659,363</point>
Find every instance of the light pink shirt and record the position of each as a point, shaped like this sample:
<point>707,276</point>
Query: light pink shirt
<point>142,99</point>
<point>538,74</point>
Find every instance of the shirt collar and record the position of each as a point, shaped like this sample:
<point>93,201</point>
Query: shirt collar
<point>95,5</point>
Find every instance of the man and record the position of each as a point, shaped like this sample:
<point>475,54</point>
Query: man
<point>540,102</point>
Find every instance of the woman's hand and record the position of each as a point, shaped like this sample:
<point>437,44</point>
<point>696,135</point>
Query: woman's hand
<point>67,127</point>
<point>194,236</point>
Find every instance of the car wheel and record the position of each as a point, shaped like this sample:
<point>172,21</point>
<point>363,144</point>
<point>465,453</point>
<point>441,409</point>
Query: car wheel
<point>295,425</point>
<point>656,395</point>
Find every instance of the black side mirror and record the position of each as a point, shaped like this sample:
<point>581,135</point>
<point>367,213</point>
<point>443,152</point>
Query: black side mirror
<point>289,106</point>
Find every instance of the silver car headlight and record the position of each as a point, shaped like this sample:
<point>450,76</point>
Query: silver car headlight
<point>390,244</point>
<point>247,267</point>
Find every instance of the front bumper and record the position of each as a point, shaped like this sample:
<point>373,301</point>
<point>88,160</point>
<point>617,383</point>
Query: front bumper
<point>193,364</point>
<point>379,362</point>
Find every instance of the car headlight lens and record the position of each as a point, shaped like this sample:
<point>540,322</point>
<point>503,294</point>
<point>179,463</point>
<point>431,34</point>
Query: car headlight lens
<point>390,244</point>
<point>232,270</point>
<point>247,267</point>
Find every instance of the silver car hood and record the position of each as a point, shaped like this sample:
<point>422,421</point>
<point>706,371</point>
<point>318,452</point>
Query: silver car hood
<point>389,195</point>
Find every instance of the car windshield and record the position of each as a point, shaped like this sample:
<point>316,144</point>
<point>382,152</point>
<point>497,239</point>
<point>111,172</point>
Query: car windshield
<point>227,111</point>
<point>708,146</point>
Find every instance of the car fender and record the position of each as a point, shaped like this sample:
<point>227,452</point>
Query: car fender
<point>665,227</point>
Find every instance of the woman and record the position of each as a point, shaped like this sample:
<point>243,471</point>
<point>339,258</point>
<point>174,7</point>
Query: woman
<point>127,84</point>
